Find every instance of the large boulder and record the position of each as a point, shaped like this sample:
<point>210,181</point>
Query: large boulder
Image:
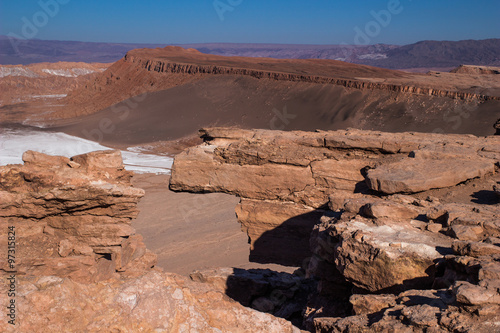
<point>384,257</point>
<point>154,302</point>
<point>413,175</point>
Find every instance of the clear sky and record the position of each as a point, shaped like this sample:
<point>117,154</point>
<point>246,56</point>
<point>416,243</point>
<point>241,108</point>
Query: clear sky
<point>251,21</point>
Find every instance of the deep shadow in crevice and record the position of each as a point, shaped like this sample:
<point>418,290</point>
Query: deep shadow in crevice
<point>288,244</point>
<point>282,294</point>
<point>485,197</point>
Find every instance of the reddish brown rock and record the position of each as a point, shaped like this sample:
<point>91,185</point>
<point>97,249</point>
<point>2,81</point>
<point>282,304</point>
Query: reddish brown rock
<point>80,265</point>
<point>367,304</point>
<point>72,219</point>
<point>373,242</point>
<point>268,225</point>
<point>416,174</point>
<point>153,302</point>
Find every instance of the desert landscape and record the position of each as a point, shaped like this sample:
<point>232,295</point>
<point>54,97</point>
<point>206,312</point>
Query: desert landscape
<point>249,187</point>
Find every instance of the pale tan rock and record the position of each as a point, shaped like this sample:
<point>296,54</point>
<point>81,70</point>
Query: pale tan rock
<point>151,303</point>
<point>39,159</point>
<point>277,230</point>
<point>100,160</point>
<point>197,170</point>
<point>468,293</point>
<point>71,222</point>
<point>339,175</point>
<point>434,227</point>
<point>381,257</point>
<point>338,201</point>
<point>464,232</point>
<point>413,175</point>
<point>373,242</point>
<point>390,210</point>
<point>368,304</point>
<point>65,248</point>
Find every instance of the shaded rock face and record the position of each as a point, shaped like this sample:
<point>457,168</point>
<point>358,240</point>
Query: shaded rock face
<point>80,266</point>
<point>388,255</point>
<point>72,217</point>
<point>282,294</point>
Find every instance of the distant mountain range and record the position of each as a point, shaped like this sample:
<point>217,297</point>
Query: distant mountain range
<point>422,55</point>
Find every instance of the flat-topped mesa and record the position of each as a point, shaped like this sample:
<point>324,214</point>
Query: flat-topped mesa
<point>72,217</point>
<point>474,69</point>
<point>143,71</point>
<point>180,61</point>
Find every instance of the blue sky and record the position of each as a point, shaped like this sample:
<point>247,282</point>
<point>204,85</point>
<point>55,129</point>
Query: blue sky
<point>251,21</point>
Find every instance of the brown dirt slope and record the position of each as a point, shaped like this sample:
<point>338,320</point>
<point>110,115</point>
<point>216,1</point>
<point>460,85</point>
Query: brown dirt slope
<point>44,84</point>
<point>252,103</point>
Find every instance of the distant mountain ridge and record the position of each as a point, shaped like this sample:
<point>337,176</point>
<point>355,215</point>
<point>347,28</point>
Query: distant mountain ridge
<point>424,54</point>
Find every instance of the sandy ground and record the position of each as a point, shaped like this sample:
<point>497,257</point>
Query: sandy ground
<point>191,231</point>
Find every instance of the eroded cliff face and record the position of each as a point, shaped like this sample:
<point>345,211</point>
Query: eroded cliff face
<point>160,66</point>
<point>384,221</point>
<point>148,70</point>
<point>79,265</point>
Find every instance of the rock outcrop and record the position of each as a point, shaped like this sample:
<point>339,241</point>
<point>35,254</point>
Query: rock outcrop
<point>72,216</point>
<point>173,66</point>
<point>286,179</point>
<point>472,69</point>
<point>79,265</point>
<point>282,294</point>
<point>396,242</point>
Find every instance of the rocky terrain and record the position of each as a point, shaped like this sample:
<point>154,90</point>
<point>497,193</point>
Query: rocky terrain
<point>400,231</point>
<point>386,232</point>
<point>80,267</point>
<point>470,69</point>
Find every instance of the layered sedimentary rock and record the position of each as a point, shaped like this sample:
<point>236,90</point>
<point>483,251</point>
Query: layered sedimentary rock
<point>403,228</point>
<point>210,67</point>
<point>147,70</point>
<point>72,217</point>
<point>79,265</point>
<point>285,179</point>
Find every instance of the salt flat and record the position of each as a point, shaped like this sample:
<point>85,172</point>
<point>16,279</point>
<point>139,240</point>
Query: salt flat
<point>13,143</point>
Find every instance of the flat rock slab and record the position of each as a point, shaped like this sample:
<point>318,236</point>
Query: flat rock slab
<point>413,175</point>
<point>390,257</point>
